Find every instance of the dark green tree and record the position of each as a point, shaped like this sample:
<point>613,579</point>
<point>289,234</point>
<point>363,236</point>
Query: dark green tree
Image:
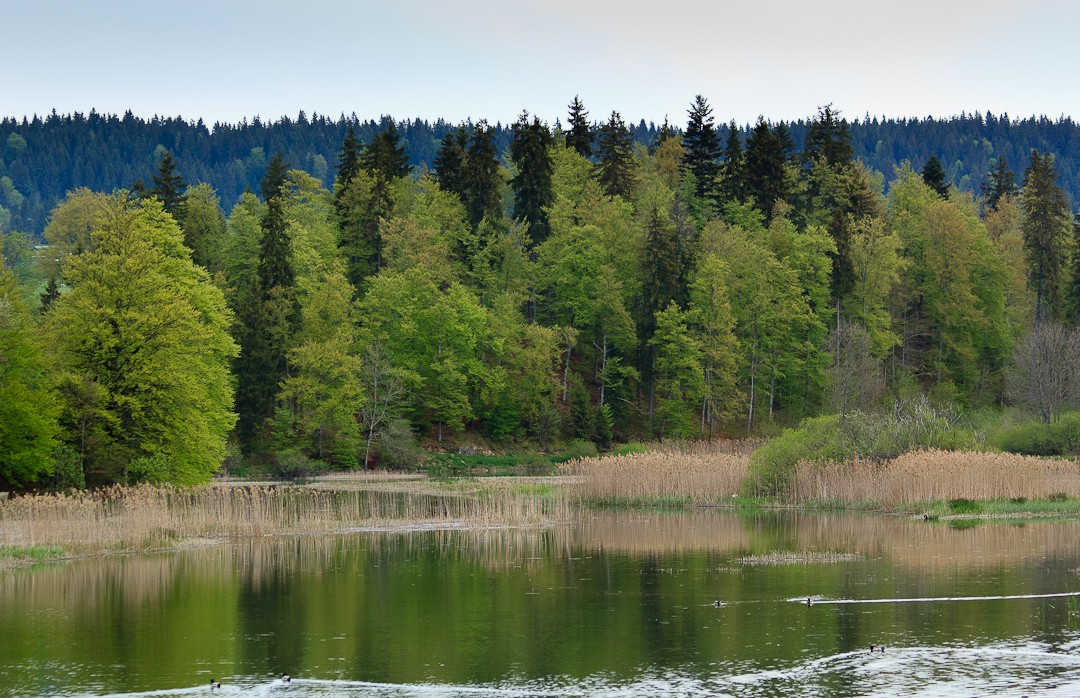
<point>933,175</point>
<point>1072,291</point>
<point>50,295</point>
<point>532,184</point>
<point>766,178</point>
<point>1045,226</point>
<point>385,155</point>
<point>828,137</point>
<point>348,165</point>
<point>1000,183</point>
<point>274,179</point>
<point>450,163</point>
<point>702,146</point>
<point>169,186</point>
<point>733,169</point>
<point>615,158</point>
<point>482,181</point>
<point>580,136</point>
<point>787,142</point>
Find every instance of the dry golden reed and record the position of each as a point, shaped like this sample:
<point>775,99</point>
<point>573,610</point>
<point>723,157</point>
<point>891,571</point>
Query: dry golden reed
<point>131,518</point>
<point>923,476</point>
<point>697,477</point>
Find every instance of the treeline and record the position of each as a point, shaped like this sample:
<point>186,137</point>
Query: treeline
<point>584,287</point>
<point>43,158</point>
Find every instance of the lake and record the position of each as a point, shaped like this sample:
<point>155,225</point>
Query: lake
<point>619,604</point>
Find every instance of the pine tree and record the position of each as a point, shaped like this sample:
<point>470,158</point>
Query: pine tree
<point>766,178</point>
<point>1072,295</point>
<point>1000,183</point>
<point>532,184</point>
<point>1046,229</point>
<point>615,158</point>
<point>828,137</point>
<point>385,156</point>
<point>274,179</point>
<point>168,186</point>
<point>702,147</point>
<point>579,137</point>
<point>733,169</point>
<point>348,164</point>
<point>482,182</point>
<point>933,175</point>
<point>450,163</point>
<point>50,295</point>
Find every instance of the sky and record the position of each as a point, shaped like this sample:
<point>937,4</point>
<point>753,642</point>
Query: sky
<point>225,60</point>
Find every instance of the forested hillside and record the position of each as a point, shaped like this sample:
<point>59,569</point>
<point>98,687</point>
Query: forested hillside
<point>573,285</point>
<point>45,157</point>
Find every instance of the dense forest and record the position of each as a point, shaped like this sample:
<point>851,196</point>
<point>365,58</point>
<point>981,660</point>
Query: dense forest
<point>583,284</point>
<point>43,158</point>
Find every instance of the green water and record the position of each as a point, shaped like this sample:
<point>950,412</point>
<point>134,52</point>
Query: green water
<point>619,604</point>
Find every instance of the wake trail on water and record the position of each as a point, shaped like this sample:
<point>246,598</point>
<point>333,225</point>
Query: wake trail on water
<point>821,601</point>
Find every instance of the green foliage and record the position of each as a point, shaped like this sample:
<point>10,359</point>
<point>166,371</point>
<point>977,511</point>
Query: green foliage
<point>1046,234</point>
<point>614,158</point>
<point>702,146</point>
<point>907,427</point>
<point>142,350</point>
<point>28,408</point>
<point>531,185</point>
<point>1034,438</point>
<point>579,136</point>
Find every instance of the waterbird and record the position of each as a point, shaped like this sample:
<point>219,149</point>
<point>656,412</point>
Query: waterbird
<point>286,678</point>
<point>717,603</point>
<point>214,683</point>
<point>809,601</point>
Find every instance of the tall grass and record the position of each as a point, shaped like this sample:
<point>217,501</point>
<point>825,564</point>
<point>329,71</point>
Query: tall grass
<point>129,518</point>
<point>924,476</point>
<point>697,476</point>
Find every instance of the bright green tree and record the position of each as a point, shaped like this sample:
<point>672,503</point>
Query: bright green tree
<point>142,350</point>
<point>28,407</point>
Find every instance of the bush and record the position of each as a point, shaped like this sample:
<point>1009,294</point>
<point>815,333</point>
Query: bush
<point>578,448</point>
<point>295,463</point>
<point>1060,438</point>
<point>911,425</point>
<point>629,448</point>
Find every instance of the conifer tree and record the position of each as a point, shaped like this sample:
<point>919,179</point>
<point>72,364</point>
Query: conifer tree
<point>482,183</point>
<point>274,179</point>
<point>1072,294</point>
<point>580,136</point>
<point>1000,183</point>
<point>532,184</point>
<point>933,175</point>
<point>168,186</point>
<point>450,165</point>
<point>733,169</point>
<point>50,295</point>
<point>348,164</point>
<point>766,179</point>
<point>615,158</point>
<point>828,137</point>
<point>702,147</point>
<point>1046,228</point>
<point>385,156</point>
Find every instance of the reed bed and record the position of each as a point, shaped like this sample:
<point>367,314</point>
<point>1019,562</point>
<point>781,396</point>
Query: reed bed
<point>926,476</point>
<point>693,478</point>
<point>129,518</point>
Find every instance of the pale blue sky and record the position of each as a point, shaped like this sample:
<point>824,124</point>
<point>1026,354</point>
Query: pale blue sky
<point>456,59</point>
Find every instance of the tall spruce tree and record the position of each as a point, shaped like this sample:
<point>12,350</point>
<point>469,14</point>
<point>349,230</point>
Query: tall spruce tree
<point>702,146</point>
<point>580,135</point>
<point>168,186</point>
<point>482,182</point>
<point>532,184</point>
<point>733,169</point>
<point>1072,291</point>
<point>615,158</point>
<point>828,137</point>
<point>1000,184</point>
<point>1045,226</point>
<point>274,178</point>
<point>766,178</point>
<point>348,164</point>
<point>933,175</point>
<point>385,155</point>
<point>450,163</point>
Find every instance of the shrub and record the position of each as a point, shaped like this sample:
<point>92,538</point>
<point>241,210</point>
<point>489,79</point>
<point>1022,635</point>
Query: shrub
<point>295,463</point>
<point>578,448</point>
<point>1060,438</point>
<point>629,448</point>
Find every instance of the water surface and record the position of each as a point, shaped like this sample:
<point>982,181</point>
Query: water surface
<point>621,604</point>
